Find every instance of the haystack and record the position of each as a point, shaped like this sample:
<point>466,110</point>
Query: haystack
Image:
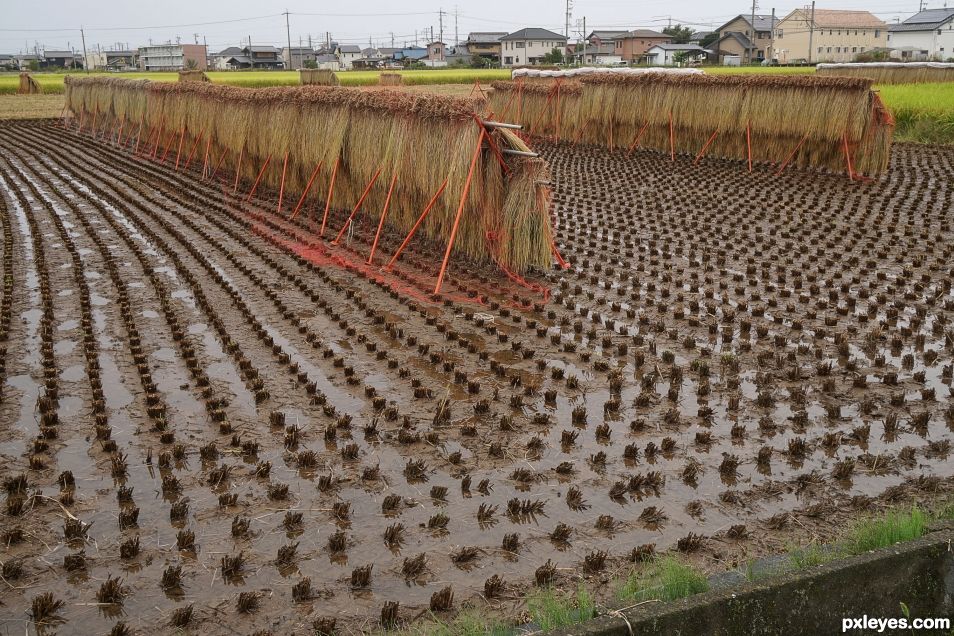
<point>28,85</point>
<point>891,72</point>
<point>318,77</point>
<point>813,122</point>
<point>349,135</point>
<point>390,79</point>
<point>193,76</point>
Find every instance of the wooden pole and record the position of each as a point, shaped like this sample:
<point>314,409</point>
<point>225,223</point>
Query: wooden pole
<point>417,224</point>
<point>304,194</point>
<point>357,206</point>
<point>331,191</point>
<point>281,189</point>
<point>257,179</point>
<point>384,213</point>
<point>460,211</point>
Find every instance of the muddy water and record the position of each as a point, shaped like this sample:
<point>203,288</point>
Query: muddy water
<point>709,314</point>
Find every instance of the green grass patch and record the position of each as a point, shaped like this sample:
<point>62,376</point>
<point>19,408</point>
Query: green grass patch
<point>889,529</point>
<point>470,622</point>
<point>551,610</point>
<point>666,579</point>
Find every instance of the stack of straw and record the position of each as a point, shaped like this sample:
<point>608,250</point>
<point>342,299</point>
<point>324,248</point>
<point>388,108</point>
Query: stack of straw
<point>773,115</point>
<point>421,138</point>
<point>390,79</point>
<point>318,77</point>
<point>28,85</point>
<point>193,76</point>
<point>892,72</point>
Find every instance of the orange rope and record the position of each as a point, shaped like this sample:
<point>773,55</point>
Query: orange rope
<point>460,210</point>
<point>384,213</point>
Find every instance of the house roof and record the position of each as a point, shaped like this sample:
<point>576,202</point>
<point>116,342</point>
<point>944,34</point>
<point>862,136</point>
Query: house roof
<point>485,37</point>
<point>607,35</point>
<point>700,35</point>
<point>119,53</point>
<point>298,49</point>
<point>647,33</point>
<point>261,49</point>
<point>49,54</point>
<point>678,47</point>
<point>927,20</point>
<point>743,41</point>
<point>325,57</point>
<point>239,59</point>
<point>602,49</point>
<point>232,50</point>
<point>839,19</point>
<point>349,48</point>
<point>533,33</point>
<point>762,22</point>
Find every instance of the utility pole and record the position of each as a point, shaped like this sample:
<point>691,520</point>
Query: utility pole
<point>85,57</point>
<point>754,34</point>
<point>772,45</point>
<point>811,33</point>
<point>440,18</point>
<point>392,39</point>
<point>566,28</point>
<point>456,34</point>
<point>291,60</point>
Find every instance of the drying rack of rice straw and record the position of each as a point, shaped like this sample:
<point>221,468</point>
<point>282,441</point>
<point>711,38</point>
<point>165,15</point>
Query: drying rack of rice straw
<point>833,123</point>
<point>891,72</point>
<point>28,85</point>
<point>419,163</point>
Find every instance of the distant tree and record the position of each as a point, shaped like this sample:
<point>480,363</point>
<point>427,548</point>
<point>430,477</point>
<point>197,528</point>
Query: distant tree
<point>873,56</point>
<point>680,57</point>
<point>709,40</point>
<point>33,65</point>
<point>310,64</point>
<point>478,61</point>
<point>553,57</point>
<point>191,64</point>
<point>679,34</point>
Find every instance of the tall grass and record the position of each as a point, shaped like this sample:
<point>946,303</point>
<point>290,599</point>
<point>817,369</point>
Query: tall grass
<point>469,622</point>
<point>667,579</point>
<point>551,610</point>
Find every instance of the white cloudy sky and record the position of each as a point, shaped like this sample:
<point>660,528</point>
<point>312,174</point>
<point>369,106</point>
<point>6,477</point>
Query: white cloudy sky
<point>222,23</point>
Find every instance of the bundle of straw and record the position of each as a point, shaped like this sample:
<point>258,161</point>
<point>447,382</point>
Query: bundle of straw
<point>193,76</point>
<point>423,139</point>
<point>891,72</point>
<point>318,76</point>
<point>390,79</point>
<point>28,85</point>
<point>730,116</point>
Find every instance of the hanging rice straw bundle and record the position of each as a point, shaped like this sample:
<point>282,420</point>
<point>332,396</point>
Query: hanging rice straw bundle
<point>28,85</point>
<point>768,116</point>
<point>420,139</point>
<point>318,76</point>
<point>891,72</point>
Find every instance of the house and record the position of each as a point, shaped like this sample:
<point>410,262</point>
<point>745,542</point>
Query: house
<point>486,44</point>
<point>409,55</point>
<point>834,36</point>
<point>436,54</point>
<point>7,61</point>
<point>927,35</point>
<point>699,36</point>
<point>328,62</point>
<point>675,54</point>
<point>113,60</point>
<point>637,43</point>
<point>752,43</point>
<point>600,55</point>
<point>296,56</point>
<point>172,57</point>
<point>61,59</point>
<point>347,54</point>
<point>267,57</point>
<point>26,61</point>
<point>528,46</point>
<point>230,59</point>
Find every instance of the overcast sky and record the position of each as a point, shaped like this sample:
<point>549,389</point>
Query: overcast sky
<point>223,23</point>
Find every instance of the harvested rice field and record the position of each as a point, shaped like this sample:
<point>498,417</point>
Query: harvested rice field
<point>212,419</point>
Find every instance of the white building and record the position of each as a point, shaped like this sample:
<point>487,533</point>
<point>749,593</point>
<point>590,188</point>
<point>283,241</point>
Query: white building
<point>673,54</point>
<point>928,35</point>
<point>527,47</point>
<point>347,54</point>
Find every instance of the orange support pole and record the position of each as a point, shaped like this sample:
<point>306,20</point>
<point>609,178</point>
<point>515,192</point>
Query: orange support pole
<point>851,170</point>
<point>257,179</point>
<point>155,148</point>
<point>791,156</point>
<point>219,163</point>
<point>705,147</point>
<point>672,138</point>
<point>357,206</point>
<point>138,133</point>
<point>119,137</point>
<point>195,146</point>
<point>281,189</point>
<point>384,213</point>
<point>748,142</point>
<point>304,194</point>
<point>579,135</point>
<point>238,169</point>
<point>95,117</point>
<point>205,161</point>
<point>460,211</point>
<point>331,191</point>
<point>639,136</point>
<point>165,154</point>
<point>179,151</point>
<point>417,224</point>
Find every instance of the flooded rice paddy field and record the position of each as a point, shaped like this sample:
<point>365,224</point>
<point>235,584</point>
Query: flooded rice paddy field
<point>213,420</point>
